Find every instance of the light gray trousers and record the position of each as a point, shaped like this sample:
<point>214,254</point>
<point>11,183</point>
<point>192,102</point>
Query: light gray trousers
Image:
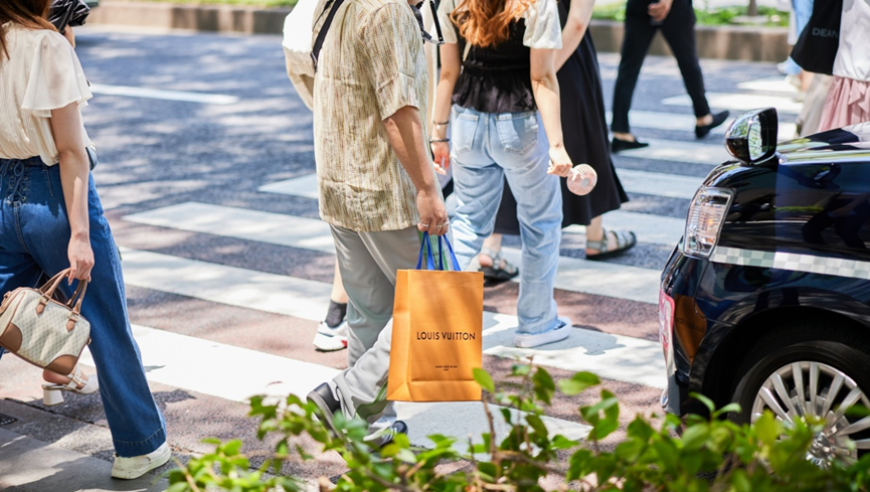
<point>368,262</point>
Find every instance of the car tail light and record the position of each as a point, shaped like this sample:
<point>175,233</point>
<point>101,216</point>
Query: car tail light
<point>706,216</point>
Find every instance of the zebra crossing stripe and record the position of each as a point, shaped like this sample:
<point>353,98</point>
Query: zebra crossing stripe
<point>190,363</point>
<point>146,93</point>
<point>612,356</point>
<point>658,184</point>
<point>679,151</point>
<point>681,122</point>
<point>740,102</point>
<point>590,277</point>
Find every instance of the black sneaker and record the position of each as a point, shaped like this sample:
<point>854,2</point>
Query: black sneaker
<point>328,406</point>
<point>718,118</point>
<point>382,438</point>
<point>618,145</point>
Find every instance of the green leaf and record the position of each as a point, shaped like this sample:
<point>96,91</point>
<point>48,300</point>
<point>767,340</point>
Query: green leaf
<point>767,429</point>
<point>520,369</point>
<point>695,436</point>
<point>729,408</point>
<point>580,464</point>
<point>703,399</point>
<point>484,379</point>
<point>537,424</point>
<point>578,383</point>
<point>178,487</point>
<point>544,385</point>
<point>562,442</point>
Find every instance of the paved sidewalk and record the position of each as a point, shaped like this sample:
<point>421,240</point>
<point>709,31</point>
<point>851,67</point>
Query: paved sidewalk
<point>68,464</point>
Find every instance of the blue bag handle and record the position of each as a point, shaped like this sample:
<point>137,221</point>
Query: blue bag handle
<point>427,250</point>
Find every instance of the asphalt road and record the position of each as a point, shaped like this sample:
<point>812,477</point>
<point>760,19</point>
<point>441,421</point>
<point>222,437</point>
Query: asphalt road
<point>157,153</point>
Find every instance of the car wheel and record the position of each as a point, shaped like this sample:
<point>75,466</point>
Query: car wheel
<point>794,378</point>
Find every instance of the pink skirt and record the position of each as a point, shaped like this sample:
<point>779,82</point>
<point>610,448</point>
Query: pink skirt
<point>848,103</point>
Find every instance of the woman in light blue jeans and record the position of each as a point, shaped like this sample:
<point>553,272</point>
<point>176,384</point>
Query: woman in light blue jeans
<point>506,122</point>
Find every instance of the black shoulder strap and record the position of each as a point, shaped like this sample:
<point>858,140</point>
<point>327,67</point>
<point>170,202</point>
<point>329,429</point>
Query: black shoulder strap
<point>318,43</point>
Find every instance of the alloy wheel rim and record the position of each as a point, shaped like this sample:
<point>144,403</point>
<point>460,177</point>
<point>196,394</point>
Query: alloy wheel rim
<point>815,389</point>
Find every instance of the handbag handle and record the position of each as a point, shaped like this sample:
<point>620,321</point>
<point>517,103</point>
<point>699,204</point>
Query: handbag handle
<point>427,249</point>
<point>75,301</point>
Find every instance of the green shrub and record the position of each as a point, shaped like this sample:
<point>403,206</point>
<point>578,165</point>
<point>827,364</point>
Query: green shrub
<point>718,16</point>
<point>713,454</point>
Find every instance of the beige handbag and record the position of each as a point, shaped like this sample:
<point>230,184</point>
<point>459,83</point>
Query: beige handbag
<point>43,331</point>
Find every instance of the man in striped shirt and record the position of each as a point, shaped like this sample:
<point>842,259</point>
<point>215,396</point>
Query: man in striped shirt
<point>377,185</point>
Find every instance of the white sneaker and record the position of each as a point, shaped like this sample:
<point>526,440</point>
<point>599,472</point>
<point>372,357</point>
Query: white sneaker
<point>135,467</point>
<point>561,332</point>
<point>331,339</point>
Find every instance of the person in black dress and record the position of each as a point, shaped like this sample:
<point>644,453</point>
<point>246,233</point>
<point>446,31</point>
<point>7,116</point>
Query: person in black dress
<point>585,127</point>
<point>676,19</point>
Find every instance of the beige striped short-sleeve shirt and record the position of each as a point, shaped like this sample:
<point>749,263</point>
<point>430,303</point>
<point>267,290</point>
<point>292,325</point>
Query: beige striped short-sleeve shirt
<point>372,64</point>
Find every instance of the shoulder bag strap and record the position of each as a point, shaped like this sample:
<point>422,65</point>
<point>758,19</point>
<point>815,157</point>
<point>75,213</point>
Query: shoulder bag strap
<point>321,36</point>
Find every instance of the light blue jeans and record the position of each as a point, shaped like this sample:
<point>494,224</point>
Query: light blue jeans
<point>486,148</point>
<point>34,234</point>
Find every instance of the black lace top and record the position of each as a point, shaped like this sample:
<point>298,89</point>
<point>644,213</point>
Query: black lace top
<point>496,79</point>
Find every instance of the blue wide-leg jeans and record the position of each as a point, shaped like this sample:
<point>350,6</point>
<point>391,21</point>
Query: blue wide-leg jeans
<point>486,149</point>
<point>34,235</point>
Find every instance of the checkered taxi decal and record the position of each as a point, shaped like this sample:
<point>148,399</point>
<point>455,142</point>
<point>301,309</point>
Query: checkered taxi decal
<point>792,261</point>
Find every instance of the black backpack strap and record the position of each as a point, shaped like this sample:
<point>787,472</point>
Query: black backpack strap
<point>321,36</point>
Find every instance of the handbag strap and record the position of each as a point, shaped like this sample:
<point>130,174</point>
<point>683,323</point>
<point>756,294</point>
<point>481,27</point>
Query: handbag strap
<point>321,36</point>
<point>428,251</point>
<point>50,286</point>
<point>48,289</point>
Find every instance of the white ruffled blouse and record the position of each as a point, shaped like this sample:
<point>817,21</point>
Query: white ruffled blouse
<point>41,73</point>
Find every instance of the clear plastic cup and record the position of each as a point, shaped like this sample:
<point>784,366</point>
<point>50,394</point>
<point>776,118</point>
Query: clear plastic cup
<point>582,179</point>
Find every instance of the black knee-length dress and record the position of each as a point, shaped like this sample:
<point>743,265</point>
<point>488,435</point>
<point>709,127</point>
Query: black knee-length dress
<point>585,133</point>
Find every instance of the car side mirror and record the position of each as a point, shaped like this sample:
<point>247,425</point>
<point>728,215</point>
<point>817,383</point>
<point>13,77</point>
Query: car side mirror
<point>751,138</point>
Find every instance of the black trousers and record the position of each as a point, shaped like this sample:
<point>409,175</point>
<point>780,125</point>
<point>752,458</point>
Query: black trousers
<point>678,29</point>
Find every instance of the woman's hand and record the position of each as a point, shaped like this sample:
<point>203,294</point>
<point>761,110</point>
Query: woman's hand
<point>560,162</point>
<point>81,258</point>
<point>441,151</point>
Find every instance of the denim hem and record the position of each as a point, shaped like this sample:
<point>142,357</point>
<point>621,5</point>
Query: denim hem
<point>524,331</point>
<point>132,449</point>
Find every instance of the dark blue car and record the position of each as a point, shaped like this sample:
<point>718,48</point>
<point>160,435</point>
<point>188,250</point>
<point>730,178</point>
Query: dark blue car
<point>766,300</point>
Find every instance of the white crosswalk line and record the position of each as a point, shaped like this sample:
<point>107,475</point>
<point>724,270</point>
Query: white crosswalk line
<point>770,84</point>
<point>740,102</point>
<point>611,356</point>
<point>305,186</point>
<point>658,184</point>
<point>649,229</point>
<point>144,92</point>
<point>680,151</point>
<point>647,183</point>
<point>590,277</point>
<point>686,123</point>
<point>192,364</point>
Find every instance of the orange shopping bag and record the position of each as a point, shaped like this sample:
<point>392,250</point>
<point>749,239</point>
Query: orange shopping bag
<point>437,331</point>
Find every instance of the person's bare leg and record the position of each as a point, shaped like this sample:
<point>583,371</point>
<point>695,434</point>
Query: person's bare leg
<point>338,294</point>
<point>628,137</point>
<point>595,232</point>
<point>806,79</point>
<point>493,242</point>
<point>55,378</point>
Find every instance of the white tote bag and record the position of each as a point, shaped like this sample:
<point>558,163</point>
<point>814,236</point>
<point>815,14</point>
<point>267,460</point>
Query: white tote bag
<point>298,39</point>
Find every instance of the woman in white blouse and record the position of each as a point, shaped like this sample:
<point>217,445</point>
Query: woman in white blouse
<point>498,70</point>
<point>848,101</point>
<point>51,219</point>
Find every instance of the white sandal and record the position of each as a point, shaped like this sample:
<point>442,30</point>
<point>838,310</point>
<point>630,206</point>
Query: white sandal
<point>52,394</point>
